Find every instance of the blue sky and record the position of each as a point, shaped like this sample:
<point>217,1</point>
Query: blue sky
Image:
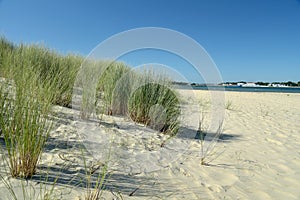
<point>251,40</point>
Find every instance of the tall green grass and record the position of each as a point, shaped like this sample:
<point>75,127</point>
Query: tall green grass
<point>95,178</point>
<point>48,65</point>
<point>112,73</point>
<point>6,49</point>
<point>51,67</point>
<point>41,77</point>
<point>23,108</point>
<point>154,103</point>
<point>145,97</point>
<point>33,78</point>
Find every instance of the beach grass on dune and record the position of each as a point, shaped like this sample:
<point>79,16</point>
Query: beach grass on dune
<point>155,104</point>
<point>6,49</point>
<point>24,108</point>
<point>52,67</point>
<point>143,96</point>
<point>112,73</point>
<point>116,87</point>
<point>48,65</point>
<point>33,78</point>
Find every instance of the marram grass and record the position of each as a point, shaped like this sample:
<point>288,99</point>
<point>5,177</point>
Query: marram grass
<point>112,74</point>
<point>156,106</point>
<point>24,108</point>
<point>42,78</point>
<point>49,67</point>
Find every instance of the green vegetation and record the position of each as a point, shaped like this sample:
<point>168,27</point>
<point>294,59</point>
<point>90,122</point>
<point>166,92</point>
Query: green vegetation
<point>24,111</point>
<point>24,105</point>
<point>271,84</point>
<point>47,66</point>
<point>33,78</point>
<point>228,105</point>
<point>143,96</point>
<point>6,49</point>
<point>112,74</point>
<point>58,73</point>
<point>51,67</point>
<point>208,152</point>
<point>262,83</point>
<point>153,103</point>
<point>95,177</point>
<point>26,190</point>
<point>287,83</point>
<point>207,139</point>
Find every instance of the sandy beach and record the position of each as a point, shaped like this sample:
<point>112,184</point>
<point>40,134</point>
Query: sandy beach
<point>261,156</point>
<point>256,157</point>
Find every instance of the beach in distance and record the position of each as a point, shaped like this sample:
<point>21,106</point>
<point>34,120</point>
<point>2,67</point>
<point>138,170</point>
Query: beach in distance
<point>246,89</point>
<point>256,156</point>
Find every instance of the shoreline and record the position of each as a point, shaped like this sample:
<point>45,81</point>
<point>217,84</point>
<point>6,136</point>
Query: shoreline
<point>243,89</point>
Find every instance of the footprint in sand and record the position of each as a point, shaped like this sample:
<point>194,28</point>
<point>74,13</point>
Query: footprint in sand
<point>212,188</point>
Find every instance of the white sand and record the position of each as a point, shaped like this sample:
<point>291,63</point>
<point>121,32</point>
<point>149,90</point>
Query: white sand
<point>257,157</point>
<point>261,158</point>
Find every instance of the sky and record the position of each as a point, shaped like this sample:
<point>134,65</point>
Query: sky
<point>249,40</point>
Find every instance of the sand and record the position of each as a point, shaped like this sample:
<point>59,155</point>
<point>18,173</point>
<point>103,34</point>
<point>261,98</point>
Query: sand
<point>256,157</point>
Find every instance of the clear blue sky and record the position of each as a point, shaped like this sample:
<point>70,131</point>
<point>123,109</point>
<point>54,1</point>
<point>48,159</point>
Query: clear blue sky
<point>251,40</point>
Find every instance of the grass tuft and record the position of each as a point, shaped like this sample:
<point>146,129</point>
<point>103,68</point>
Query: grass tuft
<point>107,83</point>
<point>33,78</point>
<point>24,108</point>
<point>156,106</point>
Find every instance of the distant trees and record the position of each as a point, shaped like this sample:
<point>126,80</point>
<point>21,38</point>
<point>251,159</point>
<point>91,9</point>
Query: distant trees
<point>288,83</point>
<point>261,83</point>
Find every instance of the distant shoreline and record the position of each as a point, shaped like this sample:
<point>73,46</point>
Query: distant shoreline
<point>243,84</point>
<point>244,89</point>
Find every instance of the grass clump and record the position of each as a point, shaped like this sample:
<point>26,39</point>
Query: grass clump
<point>95,180</point>
<point>25,190</point>
<point>155,104</point>
<point>207,139</point>
<point>145,97</point>
<point>23,109</point>
<point>51,67</point>
<point>46,64</point>
<point>113,72</point>
<point>208,152</point>
<point>33,78</point>
<point>229,105</point>
<point>30,85</point>
<point>6,49</point>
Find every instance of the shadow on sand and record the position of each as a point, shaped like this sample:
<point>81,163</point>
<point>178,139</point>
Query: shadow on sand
<point>74,175</point>
<point>187,133</point>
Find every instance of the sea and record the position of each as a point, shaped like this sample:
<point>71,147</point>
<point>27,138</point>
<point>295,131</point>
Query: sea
<point>246,89</point>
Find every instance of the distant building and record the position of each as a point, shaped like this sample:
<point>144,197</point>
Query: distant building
<point>277,85</point>
<point>250,84</point>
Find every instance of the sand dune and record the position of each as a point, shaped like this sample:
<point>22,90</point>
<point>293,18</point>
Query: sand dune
<point>256,157</point>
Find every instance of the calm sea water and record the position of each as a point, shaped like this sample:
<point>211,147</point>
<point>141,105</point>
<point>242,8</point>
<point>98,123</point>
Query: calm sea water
<point>249,89</point>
